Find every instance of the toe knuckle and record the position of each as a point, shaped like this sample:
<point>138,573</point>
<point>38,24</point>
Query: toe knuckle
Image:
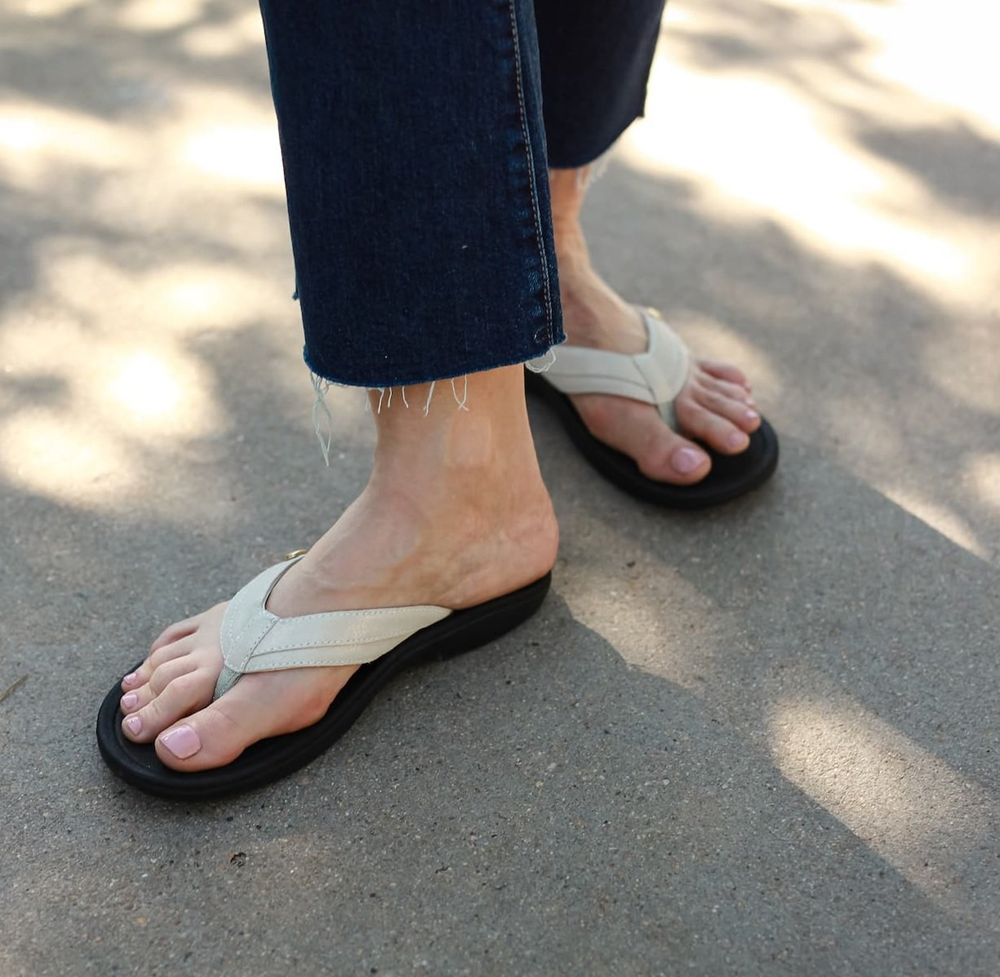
<point>159,656</point>
<point>195,687</point>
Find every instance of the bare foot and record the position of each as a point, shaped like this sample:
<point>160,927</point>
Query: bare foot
<point>715,407</point>
<point>455,513</point>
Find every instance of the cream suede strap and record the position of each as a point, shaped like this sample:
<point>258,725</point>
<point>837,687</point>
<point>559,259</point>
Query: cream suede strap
<point>654,377</point>
<point>255,640</point>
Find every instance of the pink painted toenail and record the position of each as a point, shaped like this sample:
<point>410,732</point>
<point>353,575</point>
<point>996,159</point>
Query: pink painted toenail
<point>182,742</point>
<point>129,700</point>
<point>134,724</point>
<point>736,440</point>
<point>752,415</point>
<point>686,460</point>
<point>129,679</point>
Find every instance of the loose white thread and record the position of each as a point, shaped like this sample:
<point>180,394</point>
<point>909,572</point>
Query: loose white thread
<point>430,393</point>
<point>322,418</point>
<point>388,403</point>
<point>465,393</point>
<point>544,363</point>
<point>402,393</point>
<point>381,394</point>
<point>588,175</point>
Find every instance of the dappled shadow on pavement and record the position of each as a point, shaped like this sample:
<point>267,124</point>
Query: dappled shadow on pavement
<point>757,736</point>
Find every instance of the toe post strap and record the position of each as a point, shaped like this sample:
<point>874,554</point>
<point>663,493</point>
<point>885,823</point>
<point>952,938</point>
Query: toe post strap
<point>656,376</point>
<point>255,640</point>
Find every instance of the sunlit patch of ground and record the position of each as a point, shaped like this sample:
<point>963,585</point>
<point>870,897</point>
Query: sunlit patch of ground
<point>904,802</point>
<point>773,131</point>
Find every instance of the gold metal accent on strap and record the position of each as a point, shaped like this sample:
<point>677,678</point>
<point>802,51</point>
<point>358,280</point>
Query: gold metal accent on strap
<point>294,553</point>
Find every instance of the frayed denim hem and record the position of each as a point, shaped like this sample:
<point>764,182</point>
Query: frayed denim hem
<point>378,383</point>
<point>323,419</point>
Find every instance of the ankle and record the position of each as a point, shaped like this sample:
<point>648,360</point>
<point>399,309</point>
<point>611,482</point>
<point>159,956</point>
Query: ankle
<point>481,426</point>
<point>567,189</point>
<point>474,466</point>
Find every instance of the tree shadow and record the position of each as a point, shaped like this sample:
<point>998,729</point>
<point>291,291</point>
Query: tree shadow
<point>757,737</point>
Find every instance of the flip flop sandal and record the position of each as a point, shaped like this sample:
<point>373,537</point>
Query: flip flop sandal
<point>383,641</point>
<point>654,377</point>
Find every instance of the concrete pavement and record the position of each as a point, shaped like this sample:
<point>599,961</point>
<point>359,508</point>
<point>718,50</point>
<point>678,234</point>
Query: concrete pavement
<point>762,740</point>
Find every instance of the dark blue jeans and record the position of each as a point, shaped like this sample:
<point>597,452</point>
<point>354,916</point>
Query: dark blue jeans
<point>416,138</point>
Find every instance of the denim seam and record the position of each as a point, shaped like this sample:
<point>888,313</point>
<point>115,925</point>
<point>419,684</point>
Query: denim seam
<point>536,211</point>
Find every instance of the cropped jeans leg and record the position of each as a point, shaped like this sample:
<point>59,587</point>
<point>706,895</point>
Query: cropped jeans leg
<point>415,154</point>
<point>595,58</point>
<point>416,179</point>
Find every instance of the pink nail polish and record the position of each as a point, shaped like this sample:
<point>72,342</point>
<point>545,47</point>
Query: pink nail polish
<point>129,679</point>
<point>183,742</point>
<point>128,701</point>
<point>134,724</point>
<point>686,460</point>
<point>752,415</point>
<point>736,441</point>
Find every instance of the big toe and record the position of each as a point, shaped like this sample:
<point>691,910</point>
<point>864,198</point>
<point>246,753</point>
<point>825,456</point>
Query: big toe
<point>212,737</point>
<point>638,431</point>
<point>660,452</point>
<point>219,733</point>
<point>672,458</point>
<point>668,457</point>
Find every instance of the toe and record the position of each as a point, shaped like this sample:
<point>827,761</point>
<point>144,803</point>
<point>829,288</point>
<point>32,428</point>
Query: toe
<point>164,654</point>
<point>725,371</point>
<point>160,679</point>
<point>256,708</point>
<point>181,629</point>
<point>638,431</point>
<point>220,732</point>
<point>668,457</point>
<point>133,680</point>
<point>134,701</point>
<point>738,411</point>
<point>712,428</point>
<point>185,694</point>
<point>171,670</point>
<point>732,391</point>
<point>179,639</point>
<point>212,737</point>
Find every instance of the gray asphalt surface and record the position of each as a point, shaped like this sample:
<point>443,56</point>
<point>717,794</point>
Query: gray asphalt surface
<point>762,740</point>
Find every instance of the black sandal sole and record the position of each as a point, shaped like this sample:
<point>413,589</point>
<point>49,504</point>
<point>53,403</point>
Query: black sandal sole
<point>277,757</point>
<point>731,476</point>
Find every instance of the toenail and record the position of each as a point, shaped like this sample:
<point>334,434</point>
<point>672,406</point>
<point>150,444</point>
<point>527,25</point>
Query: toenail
<point>182,742</point>
<point>737,440</point>
<point>134,724</point>
<point>129,679</point>
<point>752,415</point>
<point>129,700</point>
<point>686,460</point>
